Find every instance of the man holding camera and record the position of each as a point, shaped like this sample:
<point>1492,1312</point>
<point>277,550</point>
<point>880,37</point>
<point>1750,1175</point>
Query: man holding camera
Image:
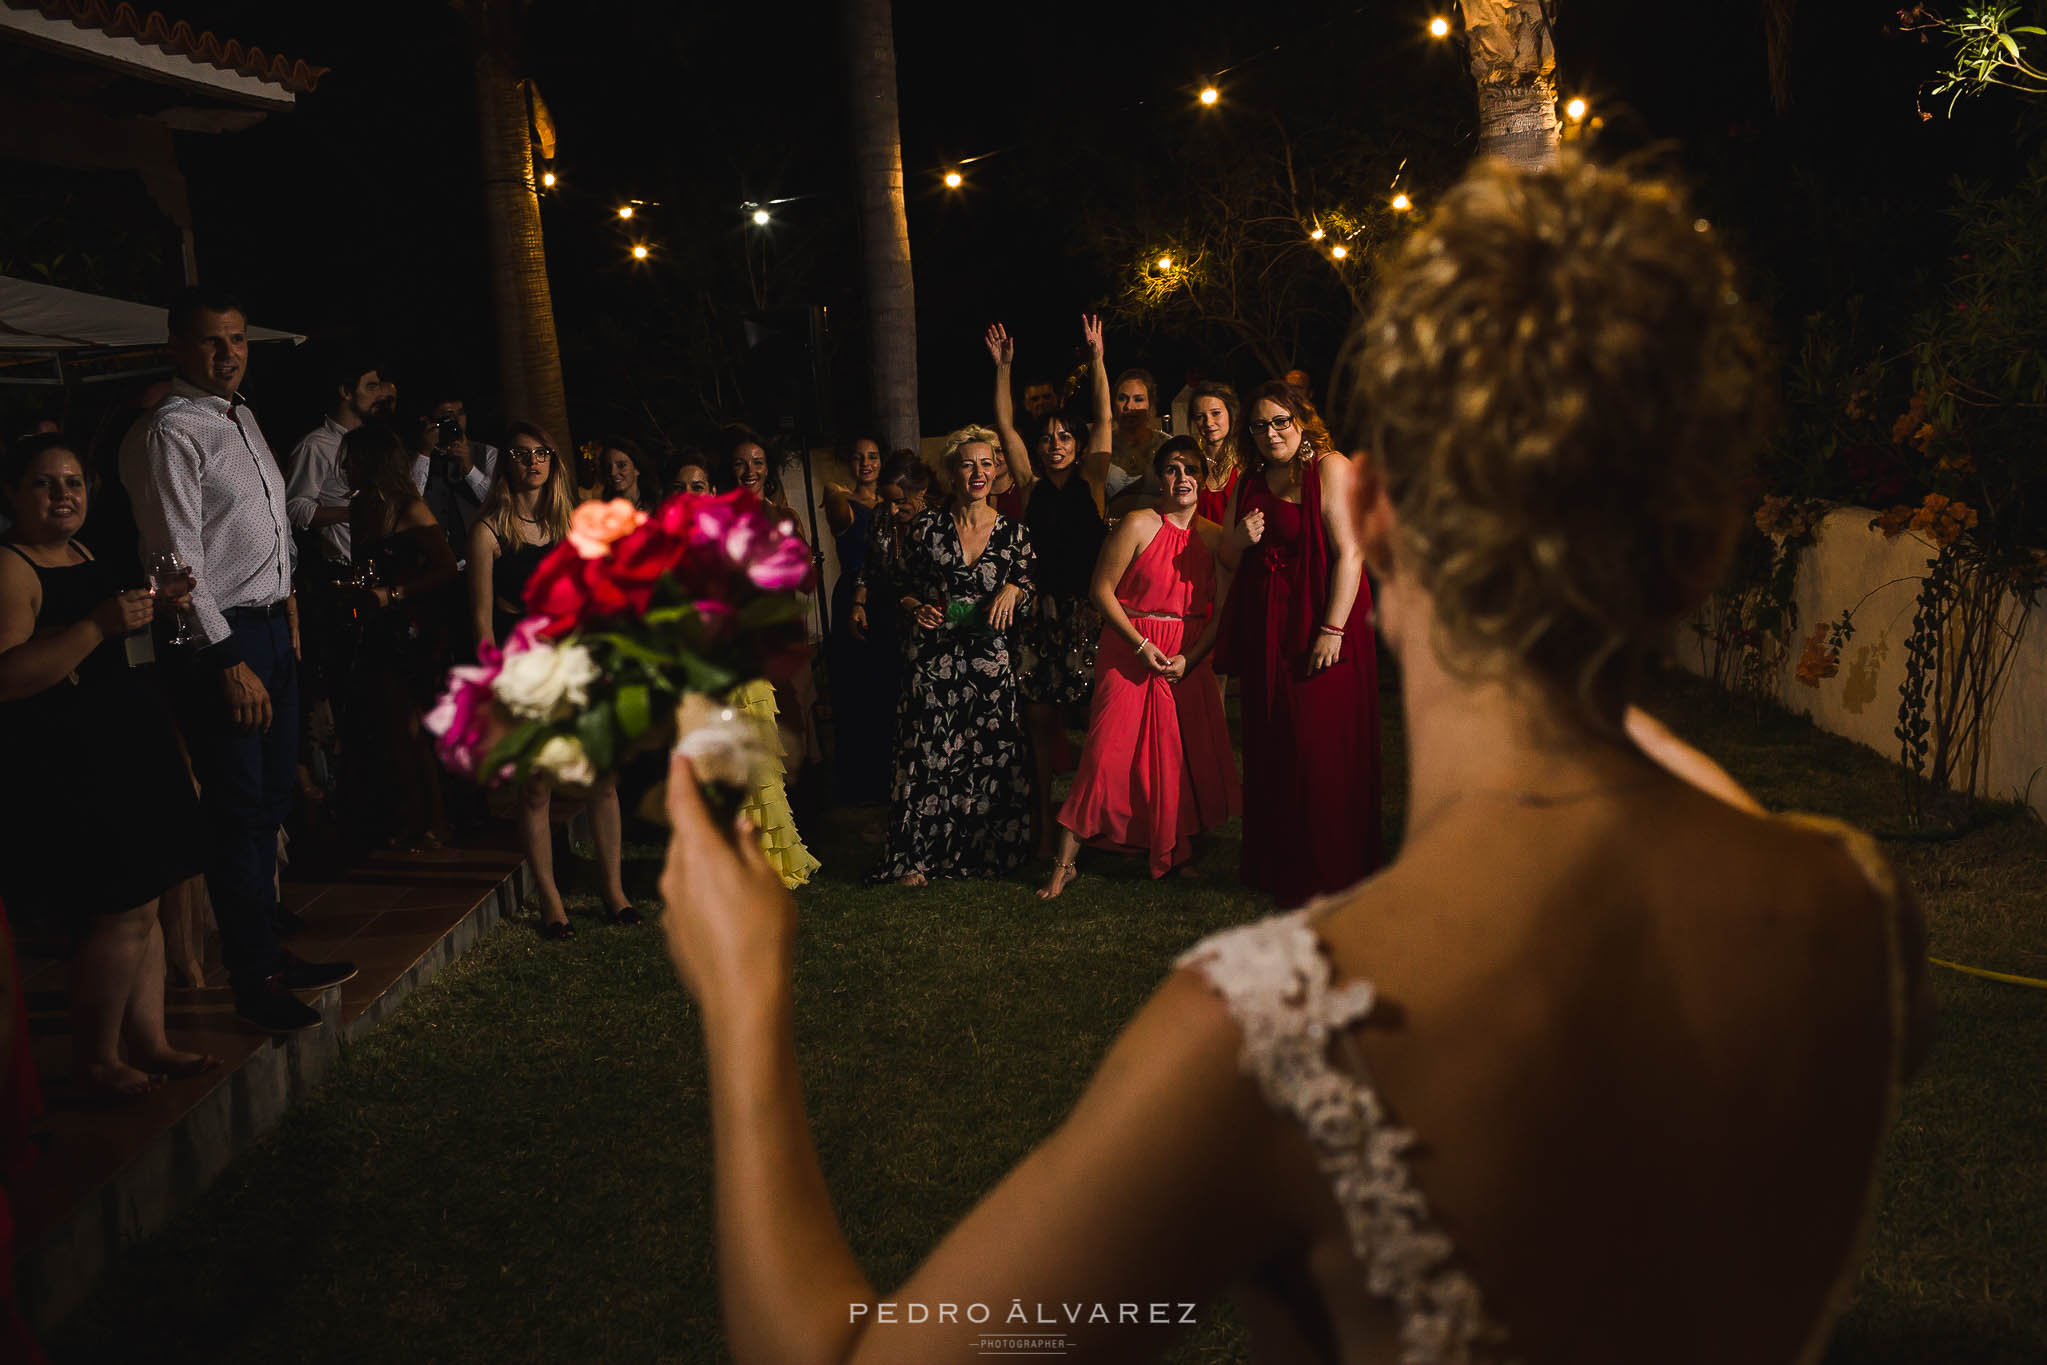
<point>452,472</point>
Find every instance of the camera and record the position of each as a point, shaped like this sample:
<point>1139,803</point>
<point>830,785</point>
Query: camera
<point>447,431</point>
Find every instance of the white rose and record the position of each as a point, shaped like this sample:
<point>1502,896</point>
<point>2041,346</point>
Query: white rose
<point>546,683</point>
<point>563,758</point>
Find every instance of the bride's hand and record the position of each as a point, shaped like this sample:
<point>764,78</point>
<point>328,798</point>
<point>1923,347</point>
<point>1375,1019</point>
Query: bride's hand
<point>729,922</point>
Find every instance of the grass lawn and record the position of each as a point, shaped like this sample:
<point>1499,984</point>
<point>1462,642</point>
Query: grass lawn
<point>515,1168</point>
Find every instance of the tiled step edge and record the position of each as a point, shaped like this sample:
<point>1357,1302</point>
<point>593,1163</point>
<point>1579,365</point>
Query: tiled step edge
<point>172,1172</point>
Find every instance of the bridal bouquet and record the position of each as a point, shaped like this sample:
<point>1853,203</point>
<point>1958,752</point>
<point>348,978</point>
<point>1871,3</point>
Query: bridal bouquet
<point>636,627</point>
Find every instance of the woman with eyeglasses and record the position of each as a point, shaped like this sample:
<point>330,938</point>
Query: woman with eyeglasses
<point>1299,637</point>
<point>525,513</point>
<point>1064,493</point>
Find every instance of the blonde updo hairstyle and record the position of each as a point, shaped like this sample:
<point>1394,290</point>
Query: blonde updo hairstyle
<point>1561,385</point>
<point>949,457</point>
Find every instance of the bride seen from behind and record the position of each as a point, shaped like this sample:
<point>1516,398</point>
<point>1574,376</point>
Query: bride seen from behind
<point>1596,1071</point>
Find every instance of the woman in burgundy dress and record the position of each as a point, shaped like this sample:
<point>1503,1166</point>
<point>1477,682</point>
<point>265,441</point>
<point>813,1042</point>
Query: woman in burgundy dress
<point>1299,637</point>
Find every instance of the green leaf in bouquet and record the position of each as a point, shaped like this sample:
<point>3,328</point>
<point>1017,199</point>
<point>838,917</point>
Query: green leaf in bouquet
<point>701,675</point>
<point>593,727</point>
<point>773,610</point>
<point>633,710</point>
<point>683,613</point>
<point>962,612</point>
<point>634,649</point>
<point>516,747</point>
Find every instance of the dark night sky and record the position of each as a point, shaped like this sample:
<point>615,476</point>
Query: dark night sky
<point>359,213</point>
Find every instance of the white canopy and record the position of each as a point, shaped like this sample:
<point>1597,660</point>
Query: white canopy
<point>41,317</point>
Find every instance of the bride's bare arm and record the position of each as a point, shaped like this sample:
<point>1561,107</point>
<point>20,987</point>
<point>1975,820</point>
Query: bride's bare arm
<point>1160,1188</point>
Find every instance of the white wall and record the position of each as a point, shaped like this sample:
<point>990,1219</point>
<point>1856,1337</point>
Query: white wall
<point>1853,566</point>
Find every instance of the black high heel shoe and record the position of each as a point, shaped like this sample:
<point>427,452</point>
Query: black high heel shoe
<point>625,914</point>
<point>555,931</point>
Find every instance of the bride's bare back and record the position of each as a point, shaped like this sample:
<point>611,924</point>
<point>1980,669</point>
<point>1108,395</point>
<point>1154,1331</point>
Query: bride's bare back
<point>1627,1035</point>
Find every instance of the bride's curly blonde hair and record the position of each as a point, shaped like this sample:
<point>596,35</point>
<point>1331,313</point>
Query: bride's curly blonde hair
<point>1561,383</point>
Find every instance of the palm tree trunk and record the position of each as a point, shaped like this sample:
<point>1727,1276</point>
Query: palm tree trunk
<point>884,221</point>
<point>1515,64</point>
<point>529,355</point>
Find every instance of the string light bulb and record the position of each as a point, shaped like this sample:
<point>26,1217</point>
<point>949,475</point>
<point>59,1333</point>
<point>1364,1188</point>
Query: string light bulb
<point>1317,235</point>
<point>1439,27</point>
<point>1165,262</point>
<point>1575,110</point>
<point>1401,203</point>
<point>625,211</point>
<point>1339,251</point>
<point>1209,94</point>
<point>760,217</point>
<point>639,251</point>
<point>547,179</point>
<point>953,180</point>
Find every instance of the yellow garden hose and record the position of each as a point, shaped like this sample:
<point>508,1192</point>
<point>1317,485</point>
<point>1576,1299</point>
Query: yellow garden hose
<point>2035,982</point>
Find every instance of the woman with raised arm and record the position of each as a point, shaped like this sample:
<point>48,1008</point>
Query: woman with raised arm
<point>1598,1071</point>
<point>1063,499</point>
<point>1212,413</point>
<point>1300,640</point>
<point>961,797</point>
<point>1156,771</point>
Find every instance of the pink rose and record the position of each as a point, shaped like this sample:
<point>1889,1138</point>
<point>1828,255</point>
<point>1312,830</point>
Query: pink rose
<point>593,526</point>
<point>742,534</point>
<point>463,720</point>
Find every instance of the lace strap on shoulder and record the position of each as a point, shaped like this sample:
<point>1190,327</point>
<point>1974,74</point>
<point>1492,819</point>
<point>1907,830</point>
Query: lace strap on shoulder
<point>1276,982</point>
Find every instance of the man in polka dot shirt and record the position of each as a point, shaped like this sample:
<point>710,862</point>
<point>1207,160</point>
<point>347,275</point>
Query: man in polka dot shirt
<point>204,484</point>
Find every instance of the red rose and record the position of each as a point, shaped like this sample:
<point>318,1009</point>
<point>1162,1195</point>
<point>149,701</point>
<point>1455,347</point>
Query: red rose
<point>556,591</point>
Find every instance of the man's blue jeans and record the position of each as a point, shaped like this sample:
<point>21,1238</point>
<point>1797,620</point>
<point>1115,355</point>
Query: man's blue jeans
<point>245,787</point>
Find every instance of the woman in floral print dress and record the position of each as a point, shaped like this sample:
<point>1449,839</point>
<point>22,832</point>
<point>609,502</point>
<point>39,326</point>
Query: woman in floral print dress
<point>961,794</point>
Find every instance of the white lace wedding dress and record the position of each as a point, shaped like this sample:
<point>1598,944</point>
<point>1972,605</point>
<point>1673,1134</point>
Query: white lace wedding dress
<point>1275,979</point>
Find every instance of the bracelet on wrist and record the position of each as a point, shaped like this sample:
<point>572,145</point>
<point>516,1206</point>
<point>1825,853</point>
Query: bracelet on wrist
<point>1333,630</point>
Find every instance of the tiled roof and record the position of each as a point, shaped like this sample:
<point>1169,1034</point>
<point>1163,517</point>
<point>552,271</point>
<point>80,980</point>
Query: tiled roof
<point>177,37</point>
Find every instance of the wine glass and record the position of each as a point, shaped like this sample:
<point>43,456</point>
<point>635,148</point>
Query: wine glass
<point>169,577</point>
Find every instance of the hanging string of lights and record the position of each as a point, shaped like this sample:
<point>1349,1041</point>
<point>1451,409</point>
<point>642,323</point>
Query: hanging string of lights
<point>1207,96</point>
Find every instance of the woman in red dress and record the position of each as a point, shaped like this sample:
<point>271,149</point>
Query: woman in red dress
<point>1156,769</point>
<point>1212,421</point>
<point>1299,637</point>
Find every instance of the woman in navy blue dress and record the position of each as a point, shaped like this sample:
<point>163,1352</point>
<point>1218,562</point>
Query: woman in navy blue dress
<point>863,670</point>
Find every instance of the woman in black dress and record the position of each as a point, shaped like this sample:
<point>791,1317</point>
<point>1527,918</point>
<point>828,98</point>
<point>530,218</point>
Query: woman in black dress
<point>1064,492</point>
<point>525,513</point>
<point>99,809</point>
<point>403,650</point>
<point>862,672</point>
<point>961,796</point>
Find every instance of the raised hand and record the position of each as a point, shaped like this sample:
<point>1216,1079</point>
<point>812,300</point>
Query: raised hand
<point>1000,348</point>
<point>1091,332</point>
<point>729,923</point>
<point>1249,530</point>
